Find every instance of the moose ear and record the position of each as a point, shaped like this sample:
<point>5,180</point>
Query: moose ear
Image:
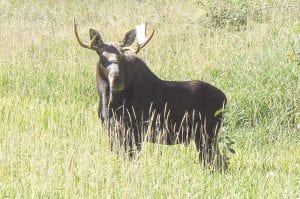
<point>95,33</point>
<point>128,38</point>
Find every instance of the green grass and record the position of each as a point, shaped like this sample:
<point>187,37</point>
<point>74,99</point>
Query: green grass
<point>53,145</point>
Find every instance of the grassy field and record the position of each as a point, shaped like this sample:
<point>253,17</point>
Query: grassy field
<point>52,144</point>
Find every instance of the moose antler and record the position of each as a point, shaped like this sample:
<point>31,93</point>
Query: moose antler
<point>92,44</point>
<point>141,38</point>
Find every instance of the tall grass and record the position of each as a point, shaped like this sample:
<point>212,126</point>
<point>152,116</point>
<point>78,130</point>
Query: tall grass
<point>53,145</point>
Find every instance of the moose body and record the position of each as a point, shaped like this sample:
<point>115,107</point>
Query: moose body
<point>137,106</point>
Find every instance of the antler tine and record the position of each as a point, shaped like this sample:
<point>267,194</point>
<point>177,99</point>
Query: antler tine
<point>134,50</point>
<point>141,39</point>
<point>93,42</point>
<point>149,38</point>
<point>143,43</point>
<point>91,46</point>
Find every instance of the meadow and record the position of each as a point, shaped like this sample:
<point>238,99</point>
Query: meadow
<point>52,144</point>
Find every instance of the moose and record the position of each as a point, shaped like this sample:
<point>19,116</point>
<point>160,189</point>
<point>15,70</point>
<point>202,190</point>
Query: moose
<point>136,106</point>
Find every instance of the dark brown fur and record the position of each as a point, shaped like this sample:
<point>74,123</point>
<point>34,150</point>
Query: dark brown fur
<point>147,99</point>
<point>137,106</point>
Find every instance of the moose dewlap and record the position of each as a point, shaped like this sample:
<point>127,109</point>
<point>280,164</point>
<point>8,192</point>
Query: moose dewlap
<point>136,106</point>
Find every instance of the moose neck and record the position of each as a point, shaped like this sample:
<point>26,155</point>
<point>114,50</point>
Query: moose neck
<point>138,78</point>
<point>139,73</point>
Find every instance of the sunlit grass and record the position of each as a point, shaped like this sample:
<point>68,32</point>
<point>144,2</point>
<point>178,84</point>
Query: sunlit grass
<point>53,145</point>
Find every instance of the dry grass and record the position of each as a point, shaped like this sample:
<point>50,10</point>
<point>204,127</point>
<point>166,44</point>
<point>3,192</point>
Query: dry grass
<point>52,144</point>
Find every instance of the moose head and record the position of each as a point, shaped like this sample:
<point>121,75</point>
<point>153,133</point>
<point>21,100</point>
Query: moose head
<point>111,54</point>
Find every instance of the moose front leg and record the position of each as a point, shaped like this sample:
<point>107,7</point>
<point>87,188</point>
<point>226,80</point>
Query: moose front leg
<point>115,135</point>
<point>121,138</point>
<point>132,141</point>
<point>129,144</point>
<point>103,92</point>
<point>101,112</point>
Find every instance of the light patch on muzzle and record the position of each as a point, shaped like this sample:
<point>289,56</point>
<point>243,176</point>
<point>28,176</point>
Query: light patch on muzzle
<point>116,82</point>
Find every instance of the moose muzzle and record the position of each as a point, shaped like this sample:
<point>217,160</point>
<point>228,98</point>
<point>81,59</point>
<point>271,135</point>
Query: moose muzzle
<point>115,78</point>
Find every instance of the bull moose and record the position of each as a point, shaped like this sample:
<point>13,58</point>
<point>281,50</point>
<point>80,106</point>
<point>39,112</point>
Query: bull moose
<point>137,106</point>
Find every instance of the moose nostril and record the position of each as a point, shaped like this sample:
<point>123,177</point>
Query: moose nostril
<point>115,82</point>
<point>113,77</point>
